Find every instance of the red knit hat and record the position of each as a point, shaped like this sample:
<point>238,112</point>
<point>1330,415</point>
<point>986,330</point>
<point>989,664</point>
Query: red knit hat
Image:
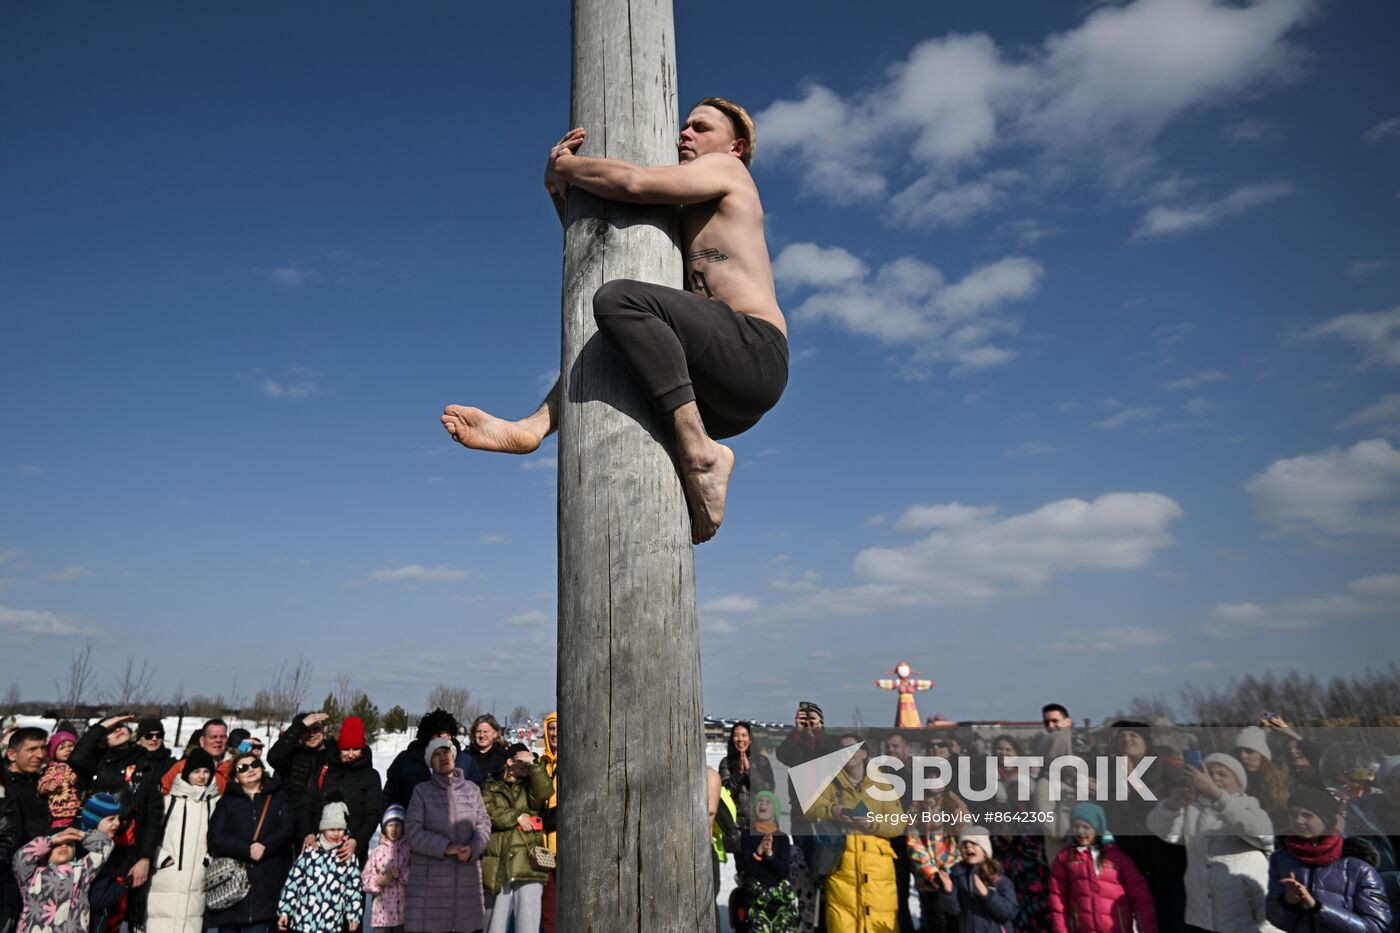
<point>352,733</point>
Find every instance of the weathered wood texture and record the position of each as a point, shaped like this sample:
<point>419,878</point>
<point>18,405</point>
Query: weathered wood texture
<point>634,837</point>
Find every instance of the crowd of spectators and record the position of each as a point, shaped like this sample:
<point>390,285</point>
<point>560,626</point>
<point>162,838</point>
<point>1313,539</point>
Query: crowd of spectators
<point>105,827</point>
<point>1246,838</point>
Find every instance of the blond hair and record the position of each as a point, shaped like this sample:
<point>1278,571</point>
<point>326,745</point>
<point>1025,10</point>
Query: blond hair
<point>741,121</point>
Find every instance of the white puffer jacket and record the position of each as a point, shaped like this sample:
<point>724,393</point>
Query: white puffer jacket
<point>1227,860</point>
<point>176,903</point>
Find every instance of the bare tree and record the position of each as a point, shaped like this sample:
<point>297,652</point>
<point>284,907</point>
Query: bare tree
<point>1151,709</point>
<point>456,700</point>
<point>286,688</point>
<point>77,680</point>
<point>518,716</point>
<point>132,688</point>
<point>344,690</point>
<point>13,699</point>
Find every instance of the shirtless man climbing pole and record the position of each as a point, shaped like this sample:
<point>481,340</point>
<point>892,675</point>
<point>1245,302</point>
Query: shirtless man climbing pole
<point>713,358</point>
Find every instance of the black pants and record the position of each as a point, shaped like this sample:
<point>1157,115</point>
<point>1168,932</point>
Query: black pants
<point>683,348</point>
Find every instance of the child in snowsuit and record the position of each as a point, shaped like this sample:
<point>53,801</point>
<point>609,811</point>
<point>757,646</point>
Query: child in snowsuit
<point>59,782</point>
<point>322,893</point>
<point>386,873</point>
<point>55,878</point>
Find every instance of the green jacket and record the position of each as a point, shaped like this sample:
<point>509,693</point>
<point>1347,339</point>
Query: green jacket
<point>506,856</point>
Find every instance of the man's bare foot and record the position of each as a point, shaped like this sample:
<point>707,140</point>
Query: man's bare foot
<point>474,428</point>
<point>706,478</point>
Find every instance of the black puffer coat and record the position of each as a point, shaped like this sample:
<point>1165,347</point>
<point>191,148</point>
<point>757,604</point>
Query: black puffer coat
<point>101,768</point>
<point>355,783</point>
<point>231,834</point>
<point>409,769</point>
<point>297,765</point>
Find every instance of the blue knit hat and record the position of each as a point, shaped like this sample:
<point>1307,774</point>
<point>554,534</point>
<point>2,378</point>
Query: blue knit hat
<point>393,811</point>
<point>1093,814</point>
<point>97,808</point>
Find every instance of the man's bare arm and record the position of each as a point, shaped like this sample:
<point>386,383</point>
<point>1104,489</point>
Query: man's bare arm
<point>708,177</point>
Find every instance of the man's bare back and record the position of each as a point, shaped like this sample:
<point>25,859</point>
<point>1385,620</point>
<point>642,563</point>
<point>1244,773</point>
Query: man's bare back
<point>726,259</point>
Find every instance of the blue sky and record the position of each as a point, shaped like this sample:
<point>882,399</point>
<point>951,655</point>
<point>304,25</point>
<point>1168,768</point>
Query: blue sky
<point>1094,311</point>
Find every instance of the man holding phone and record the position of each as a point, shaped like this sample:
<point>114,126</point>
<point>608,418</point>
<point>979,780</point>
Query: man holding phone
<point>807,740</point>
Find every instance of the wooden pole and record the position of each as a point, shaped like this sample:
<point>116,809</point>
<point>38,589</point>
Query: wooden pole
<point>634,836</point>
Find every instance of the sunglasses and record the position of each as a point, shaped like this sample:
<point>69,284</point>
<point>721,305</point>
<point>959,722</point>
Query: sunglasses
<point>249,766</point>
<point>153,735</point>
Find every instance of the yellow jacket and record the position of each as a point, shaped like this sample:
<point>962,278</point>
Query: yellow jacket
<point>550,760</point>
<point>861,896</point>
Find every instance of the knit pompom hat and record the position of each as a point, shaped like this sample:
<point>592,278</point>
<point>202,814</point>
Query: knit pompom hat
<point>392,812</point>
<point>97,808</point>
<point>58,739</point>
<point>334,815</point>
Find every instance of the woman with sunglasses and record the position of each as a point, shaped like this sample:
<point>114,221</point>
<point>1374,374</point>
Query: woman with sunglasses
<point>255,823</point>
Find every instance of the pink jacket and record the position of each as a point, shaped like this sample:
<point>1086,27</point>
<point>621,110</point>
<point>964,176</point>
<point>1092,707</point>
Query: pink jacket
<point>388,898</point>
<point>1106,898</point>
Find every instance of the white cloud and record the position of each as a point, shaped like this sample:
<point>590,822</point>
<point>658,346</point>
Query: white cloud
<point>1365,268</point>
<point>1367,597</point>
<point>1097,95</point>
<point>29,469</point>
<point>7,556</point>
<point>293,275</point>
<point>295,384</point>
<point>69,574</point>
<point>1113,638</point>
<point>716,625</point>
<point>807,265</point>
<point>1248,130</point>
<point>952,515</point>
<point>1165,221</point>
<point>734,604</point>
<point>1169,334</point>
<point>909,303</point>
<point>1376,334</point>
<point>1338,492</point>
<point>1194,381</point>
<point>976,558</point>
<point>1386,129</point>
<point>539,463</point>
<point>36,622</point>
<point>1196,406</point>
<point>493,539</point>
<point>1128,416</point>
<point>1382,416</point>
<point>417,573</point>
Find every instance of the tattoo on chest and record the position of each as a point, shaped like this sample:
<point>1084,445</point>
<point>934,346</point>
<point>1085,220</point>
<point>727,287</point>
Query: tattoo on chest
<point>708,255</point>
